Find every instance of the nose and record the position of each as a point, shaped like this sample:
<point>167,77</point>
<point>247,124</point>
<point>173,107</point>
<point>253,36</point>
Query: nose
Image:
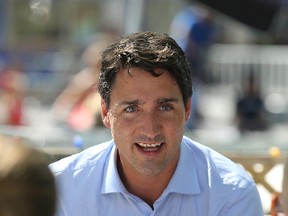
<point>150,125</point>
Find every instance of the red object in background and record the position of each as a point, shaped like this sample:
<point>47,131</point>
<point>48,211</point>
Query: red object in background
<point>15,114</point>
<point>13,85</point>
<point>81,118</point>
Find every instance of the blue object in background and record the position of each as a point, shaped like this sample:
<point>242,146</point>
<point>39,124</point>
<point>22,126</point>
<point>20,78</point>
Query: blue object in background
<point>78,142</point>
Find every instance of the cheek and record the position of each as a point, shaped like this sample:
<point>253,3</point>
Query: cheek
<point>177,124</point>
<point>121,127</point>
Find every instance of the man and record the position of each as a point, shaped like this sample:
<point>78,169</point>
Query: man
<point>149,168</point>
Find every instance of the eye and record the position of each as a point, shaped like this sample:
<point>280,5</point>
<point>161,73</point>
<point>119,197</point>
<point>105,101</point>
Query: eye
<point>166,107</point>
<point>131,109</point>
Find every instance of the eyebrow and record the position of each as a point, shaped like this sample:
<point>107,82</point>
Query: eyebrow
<point>166,100</point>
<point>132,102</point>
<point>140,102</point>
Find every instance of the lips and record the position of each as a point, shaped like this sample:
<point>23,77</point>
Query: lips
<point>149,147</point>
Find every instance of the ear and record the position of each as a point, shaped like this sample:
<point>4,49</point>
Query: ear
<point>105,115</point>
<point>188,109</point>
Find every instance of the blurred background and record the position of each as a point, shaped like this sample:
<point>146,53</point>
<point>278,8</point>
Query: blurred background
<point>238,52</point>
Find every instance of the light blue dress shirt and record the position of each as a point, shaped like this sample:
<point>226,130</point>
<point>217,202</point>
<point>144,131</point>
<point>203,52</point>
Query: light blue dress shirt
<point>205,183</point>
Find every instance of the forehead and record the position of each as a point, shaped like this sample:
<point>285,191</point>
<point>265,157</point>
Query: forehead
<point>139,84</point>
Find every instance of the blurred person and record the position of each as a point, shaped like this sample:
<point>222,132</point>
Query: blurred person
<point>79,103</point>
<point>150,167</point>
<point>285,188</point>
<point>27,186</point>
<point>13,86</point>
<point>279,203</point>
<point>250,108</point>
<point>195,31</point>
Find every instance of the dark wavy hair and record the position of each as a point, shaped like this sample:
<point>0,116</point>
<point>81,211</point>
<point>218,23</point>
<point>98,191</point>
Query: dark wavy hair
<point>147,50</point>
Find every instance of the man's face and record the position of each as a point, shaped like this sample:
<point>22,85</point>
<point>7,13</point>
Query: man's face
<point>147,117</point>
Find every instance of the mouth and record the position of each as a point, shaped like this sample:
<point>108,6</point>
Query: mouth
<point>149,147</point>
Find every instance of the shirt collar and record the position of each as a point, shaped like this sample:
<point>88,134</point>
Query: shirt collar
<point>112,182</point>
<point>184,180</point>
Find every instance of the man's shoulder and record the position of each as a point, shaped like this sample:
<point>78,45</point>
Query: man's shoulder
<point>218,165</point>
<point>224,181</point>
<point>87,158</point>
